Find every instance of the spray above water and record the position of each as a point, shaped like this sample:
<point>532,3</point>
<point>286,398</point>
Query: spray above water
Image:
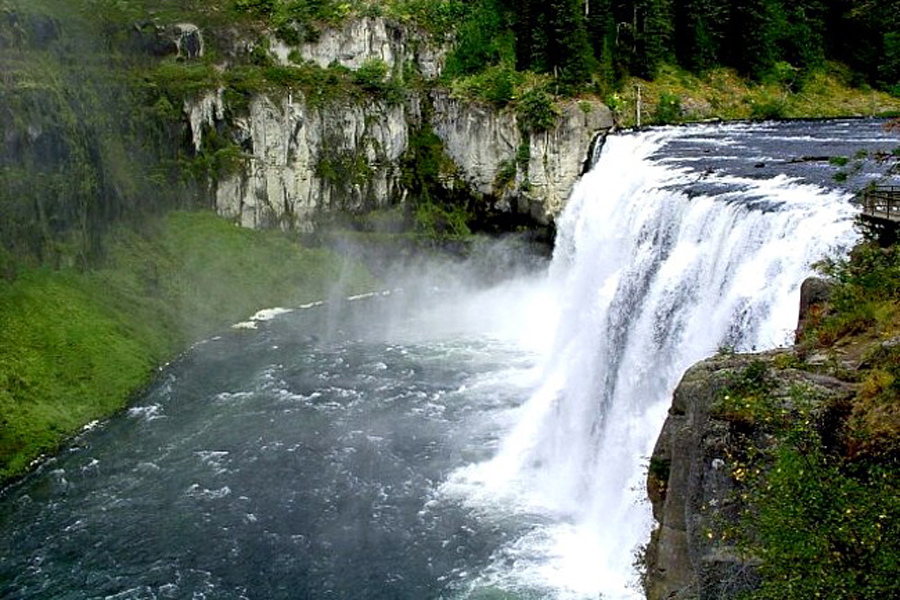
<point>652,275</point>
<point>450,439</point>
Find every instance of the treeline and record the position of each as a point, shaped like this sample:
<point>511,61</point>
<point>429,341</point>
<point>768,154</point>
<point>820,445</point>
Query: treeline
<point>605,40</point>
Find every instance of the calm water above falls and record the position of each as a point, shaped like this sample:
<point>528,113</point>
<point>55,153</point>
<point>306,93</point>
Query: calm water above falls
<point>449,441</point>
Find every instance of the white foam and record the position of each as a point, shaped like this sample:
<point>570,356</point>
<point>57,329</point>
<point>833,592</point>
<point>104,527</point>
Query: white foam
<point>649,282</point>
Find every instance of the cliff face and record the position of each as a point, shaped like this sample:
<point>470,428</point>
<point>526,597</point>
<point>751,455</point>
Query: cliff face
<point>70,162</point>
<point>307,160</point>
<point>325,140</point>
<point>695,479</point>
<point>359,40</point>
<point>484,141</point>
<point>304,161</point>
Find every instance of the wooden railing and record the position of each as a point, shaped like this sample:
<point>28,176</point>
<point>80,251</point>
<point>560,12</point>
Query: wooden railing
<point>882,202</point>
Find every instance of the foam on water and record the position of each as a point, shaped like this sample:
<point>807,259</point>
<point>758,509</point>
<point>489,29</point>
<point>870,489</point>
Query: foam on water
<point>650,280</point>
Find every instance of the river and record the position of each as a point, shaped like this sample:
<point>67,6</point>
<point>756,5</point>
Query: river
<point>456,436</point>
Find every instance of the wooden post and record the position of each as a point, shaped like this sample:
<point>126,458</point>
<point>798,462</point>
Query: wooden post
<point>637,107</point>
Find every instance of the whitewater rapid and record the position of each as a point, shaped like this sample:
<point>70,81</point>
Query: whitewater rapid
<point>652,275</point>
<point>481,431</point>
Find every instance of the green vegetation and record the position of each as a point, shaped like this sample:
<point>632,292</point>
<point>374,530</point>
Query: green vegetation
<point>601,43</point>
<point>75,344</point>
<point>699,59</point>
<point>817,477</point>
<point>441,223</point>
<point>821,521</point>
<point>864,300</point>
<point>722,93</point>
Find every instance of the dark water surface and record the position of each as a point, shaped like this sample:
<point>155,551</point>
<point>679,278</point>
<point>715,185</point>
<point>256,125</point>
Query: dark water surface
<point>310,458</point>
<point>288,462</point>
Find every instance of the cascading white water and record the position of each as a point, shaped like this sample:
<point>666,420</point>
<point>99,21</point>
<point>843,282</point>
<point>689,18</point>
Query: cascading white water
<point>650,280</point>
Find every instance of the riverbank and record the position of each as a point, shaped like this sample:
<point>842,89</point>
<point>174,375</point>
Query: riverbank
<point>76,344</point>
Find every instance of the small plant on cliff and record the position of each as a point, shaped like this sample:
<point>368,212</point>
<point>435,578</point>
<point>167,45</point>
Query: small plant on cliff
<point>822,525</point>
<point>259,8</point>
<point>745,398</point>
<point>866,287</point>
<point>668,108</point>
<point>820,522</point>
<point>371,75</point>
<point>435,222</point>
<point>536,111</point>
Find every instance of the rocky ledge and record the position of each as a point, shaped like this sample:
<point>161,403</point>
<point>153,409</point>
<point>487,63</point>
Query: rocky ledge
<point>696,478</point>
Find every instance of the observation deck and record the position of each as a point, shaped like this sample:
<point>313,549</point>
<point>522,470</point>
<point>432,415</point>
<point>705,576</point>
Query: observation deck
<point>881,212</point>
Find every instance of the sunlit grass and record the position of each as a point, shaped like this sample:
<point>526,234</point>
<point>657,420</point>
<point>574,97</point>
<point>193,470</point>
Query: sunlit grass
<point>721,94</point>
<point>74,345</point>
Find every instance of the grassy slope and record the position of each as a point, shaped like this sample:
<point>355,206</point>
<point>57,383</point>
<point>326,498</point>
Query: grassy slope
<point>74,346</point>
<point>722,94</point>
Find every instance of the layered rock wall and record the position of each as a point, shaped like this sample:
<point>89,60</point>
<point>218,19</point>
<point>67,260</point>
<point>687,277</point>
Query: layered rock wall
<point>484,142</point>
<point>307,160</point>
<point>359,40</point>
<point>694,476</point>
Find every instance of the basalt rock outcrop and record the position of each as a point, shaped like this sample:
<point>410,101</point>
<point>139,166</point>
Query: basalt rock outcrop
<point>484,141</point>
<point>358,40</point>
<point>306,160</point>
<point>694,478</point>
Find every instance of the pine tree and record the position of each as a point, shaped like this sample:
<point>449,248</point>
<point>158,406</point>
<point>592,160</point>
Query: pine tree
<point>601,29</point>
<point>531,39</point>
<point>568,50</point>
<point>804,40</point>
<point>653,35</point>
<point>700,28</point>
<point>753,36</point>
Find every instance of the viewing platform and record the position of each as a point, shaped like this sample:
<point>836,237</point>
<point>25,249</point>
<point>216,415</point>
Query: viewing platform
<point>881,211</point>
<point>880,203</point>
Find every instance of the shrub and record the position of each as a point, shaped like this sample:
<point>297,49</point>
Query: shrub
<point>498,85</point>
<point>769,108</point>
<point>838,161</point>
<point>536,111</point>
<point>260,8</point>
<point>668,109</point>
<point>505,174</point>
<point>372,75</point>
<point>441,223</point>
<point>823,526</point>
<point>785,74</point>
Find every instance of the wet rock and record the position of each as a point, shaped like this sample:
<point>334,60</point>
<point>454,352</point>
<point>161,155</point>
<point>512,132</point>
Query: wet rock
<point>188,40</point>
<point>148,38</point>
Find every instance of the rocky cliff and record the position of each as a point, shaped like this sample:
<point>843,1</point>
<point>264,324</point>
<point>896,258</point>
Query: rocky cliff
<point>303,161</point>
<point>484,141</point>
<point>307,159</point>
<point>698,475</point>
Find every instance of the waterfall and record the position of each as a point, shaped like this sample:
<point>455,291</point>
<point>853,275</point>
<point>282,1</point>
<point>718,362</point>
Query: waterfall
<point>657,265</point>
